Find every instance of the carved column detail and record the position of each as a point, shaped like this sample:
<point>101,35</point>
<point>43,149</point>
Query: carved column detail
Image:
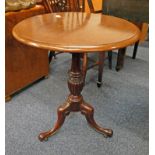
<point>75,81</point>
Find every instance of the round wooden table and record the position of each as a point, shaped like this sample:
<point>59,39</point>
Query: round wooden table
<point>76,33</point>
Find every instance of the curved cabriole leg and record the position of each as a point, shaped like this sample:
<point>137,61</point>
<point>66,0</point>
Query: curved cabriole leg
<point>62,112</point>
<point>88,111</point>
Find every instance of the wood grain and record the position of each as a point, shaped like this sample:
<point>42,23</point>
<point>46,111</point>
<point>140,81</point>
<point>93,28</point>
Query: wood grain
<point>97,33</point>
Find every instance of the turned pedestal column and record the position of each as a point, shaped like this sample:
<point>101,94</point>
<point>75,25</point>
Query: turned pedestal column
<point>75,102</point>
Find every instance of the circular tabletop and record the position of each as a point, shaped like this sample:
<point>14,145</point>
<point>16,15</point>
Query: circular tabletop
<point>76,32</point>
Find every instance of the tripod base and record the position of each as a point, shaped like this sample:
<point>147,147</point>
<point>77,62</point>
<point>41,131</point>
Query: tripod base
<point>75,104</point>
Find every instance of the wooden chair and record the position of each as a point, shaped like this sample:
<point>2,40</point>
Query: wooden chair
<point>78,6</point>
<point>136,11</point>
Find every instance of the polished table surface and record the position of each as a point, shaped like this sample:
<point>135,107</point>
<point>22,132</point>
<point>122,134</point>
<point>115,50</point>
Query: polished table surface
<point>76,33</point>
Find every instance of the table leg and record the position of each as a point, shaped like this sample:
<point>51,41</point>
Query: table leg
<point>100,68</point>
<point>120,58</point>
<point>135,50</point>
<point>75,102</point>
<point>110,53</point>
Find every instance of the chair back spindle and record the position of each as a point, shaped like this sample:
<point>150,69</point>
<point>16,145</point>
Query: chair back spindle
<point>67,5</point>
<point>64,5</point>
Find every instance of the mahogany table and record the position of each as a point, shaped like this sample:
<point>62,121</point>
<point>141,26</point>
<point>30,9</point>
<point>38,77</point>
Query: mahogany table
<point>76,33</point>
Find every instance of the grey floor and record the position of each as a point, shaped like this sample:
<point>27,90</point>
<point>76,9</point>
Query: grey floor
<point>122,103</point>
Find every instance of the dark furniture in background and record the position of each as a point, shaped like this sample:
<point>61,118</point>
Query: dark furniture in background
<point>136,11</point>
<point>23,64</point>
